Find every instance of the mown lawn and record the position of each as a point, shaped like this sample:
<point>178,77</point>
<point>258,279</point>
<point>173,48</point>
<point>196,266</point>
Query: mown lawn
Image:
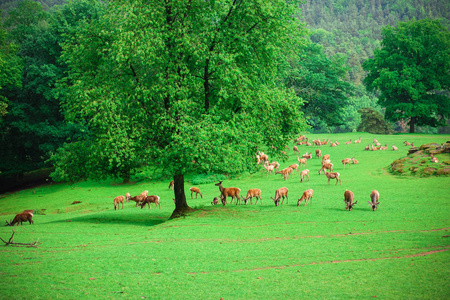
<point>318,251</point>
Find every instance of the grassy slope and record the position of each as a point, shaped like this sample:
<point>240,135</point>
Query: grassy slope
<point>317,251</point>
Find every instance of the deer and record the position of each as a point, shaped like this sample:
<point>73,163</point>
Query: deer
<point>286,172</point>
<point>325,157</point>
<point>358,141</point>
<point>307,155</point>
<point>394,148</point>
<point>138,199</point>
<point>280,193</point>
<point>215,201</point>
<point>171,184</point>
<point>326,166</point>
<point>302,161</point>
<point>355,161</point>
<point>333,175</point>
<point>348,199</point>
<point>151,199</point>
<point>128,197</point>
<point>307,195</point>
<point>261,157</point>
<point>294,167</point>
<point>295,148</point>
<point>349,142</point>
<point>195,190</point>
<point>304,173</point>
<point>117,201</point>
<point>318,153</point>
<point>253,193</point>
<point>26,215</point>
<point>374,197</point>
<point>346,161</point>
<point>269,168</point>
<point>228,192</point>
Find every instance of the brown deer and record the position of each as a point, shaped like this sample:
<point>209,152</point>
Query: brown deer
<point>326,166</point>
<point>307,195</point>
<point>26,215</point>
<point>228,192</point>
<point>195,190</point>
<point>171,184</point>
<point>151,199</point>
<point>374,196</point>
<point>215,201</point>
<point>138,199</point>
<point>286,172</point>
<point>348,199</point>
<point>304,173</point>
<point>117,201</point>
<point>346,161</point>
<point>253,193</point>
<point>333,175</point>
<point>280,193</point>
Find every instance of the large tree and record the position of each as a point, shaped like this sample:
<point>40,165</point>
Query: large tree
<point>321,81</point>
<point>193,86</point>
<point>411,72</point>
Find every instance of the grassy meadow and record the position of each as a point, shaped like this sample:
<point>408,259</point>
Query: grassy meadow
<point>318,251</point>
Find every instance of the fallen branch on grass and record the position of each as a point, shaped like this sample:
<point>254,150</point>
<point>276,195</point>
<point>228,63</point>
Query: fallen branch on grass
<point>11,241</point>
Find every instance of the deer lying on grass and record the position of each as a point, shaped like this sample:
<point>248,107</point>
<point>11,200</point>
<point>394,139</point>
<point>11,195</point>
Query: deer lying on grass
<point>394,148</point>
<point>280,193</point>
<point>355,161</point>
<point>228,192</point>
<point>26,215</point>
<point>358,141</point>
<point>253,193</point>
<point>303,174</point>
<point>374,196</point>
<point>307,195</point>
<point>307,155</point>
<point>333,175</point>
<point>117,201</point>
<point>348,199</point>
<point>151,199</point>
<point>195,190</point>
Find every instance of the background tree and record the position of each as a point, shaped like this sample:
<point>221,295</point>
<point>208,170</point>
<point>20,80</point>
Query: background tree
<point>411,72</point>
<point>372,121</point>
<point>192,86</point>
<point>34,127</point>
<point>321,81</point>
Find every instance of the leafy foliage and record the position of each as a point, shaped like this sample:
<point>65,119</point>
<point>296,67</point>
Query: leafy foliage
<point>411,72</point>
<point>373,121</point>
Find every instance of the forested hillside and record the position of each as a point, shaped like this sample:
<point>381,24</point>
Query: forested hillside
<point>353,27</point>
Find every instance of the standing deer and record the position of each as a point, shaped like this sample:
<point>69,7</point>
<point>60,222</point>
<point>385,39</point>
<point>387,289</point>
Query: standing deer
<point>333,175</point>
<point>280,193</point>
<point>117,201</point>
<point>307,195</point>
<point>195,190</point>
<point>228,192</point>
<point>253,193</point>
<point>151,199</point>
<point>26,215</point>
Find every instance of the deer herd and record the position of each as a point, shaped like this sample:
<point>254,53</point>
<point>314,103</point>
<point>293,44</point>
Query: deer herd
<point>271,168</point>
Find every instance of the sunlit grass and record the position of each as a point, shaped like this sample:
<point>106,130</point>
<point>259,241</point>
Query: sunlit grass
<point>88,250</point>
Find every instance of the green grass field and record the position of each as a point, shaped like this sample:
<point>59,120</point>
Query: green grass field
<point>318,251</point>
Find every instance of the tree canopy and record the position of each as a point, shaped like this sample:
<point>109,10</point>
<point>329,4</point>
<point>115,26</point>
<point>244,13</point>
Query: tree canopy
<point>188,85</point>
<point>411,72</point>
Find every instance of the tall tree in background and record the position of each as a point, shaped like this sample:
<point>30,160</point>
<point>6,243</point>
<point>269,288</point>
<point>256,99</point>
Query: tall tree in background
<point>193,86</point>
<point>321,81</point>
<point>34,127</point>
<point>411,72</point>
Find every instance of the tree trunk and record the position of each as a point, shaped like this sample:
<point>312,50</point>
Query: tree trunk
<point>181,206</point>
<point>412,124</point>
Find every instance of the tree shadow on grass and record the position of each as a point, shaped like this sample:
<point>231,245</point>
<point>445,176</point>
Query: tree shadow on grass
<point>119,218</point>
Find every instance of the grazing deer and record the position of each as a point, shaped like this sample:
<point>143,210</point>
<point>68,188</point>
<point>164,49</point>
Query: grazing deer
<point>286,172</point>
<point>253,193</point>
<point>171,184</point>
<point>374,196</point>
<point>280,193</point>
<point>228,192</point>
<point>215,201</point>
<point>138,199</point>
<point>307,195</point>
<point>151,199</point>
<point>348,199</point>
<point>195,190</point>
<point>26,215</point>
<point>303,174</point>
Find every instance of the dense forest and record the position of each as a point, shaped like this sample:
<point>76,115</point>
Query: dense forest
<point>326,74</point>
